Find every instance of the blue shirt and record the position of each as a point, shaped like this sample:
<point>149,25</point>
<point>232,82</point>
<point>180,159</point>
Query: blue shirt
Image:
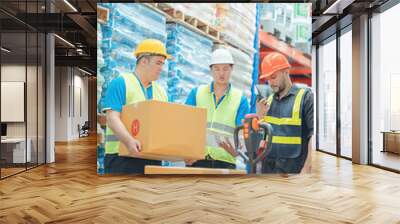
<point>116,94</point>
<point>241,112</point>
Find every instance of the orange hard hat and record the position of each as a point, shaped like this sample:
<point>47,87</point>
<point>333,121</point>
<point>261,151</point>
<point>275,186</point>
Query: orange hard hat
<point>272,63</point>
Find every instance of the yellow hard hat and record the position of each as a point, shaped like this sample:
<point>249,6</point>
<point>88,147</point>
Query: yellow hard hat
<point>151,46</point>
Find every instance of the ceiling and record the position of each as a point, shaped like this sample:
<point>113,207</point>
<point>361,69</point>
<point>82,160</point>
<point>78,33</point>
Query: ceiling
<point>328,16</point>
<point>74,22</point>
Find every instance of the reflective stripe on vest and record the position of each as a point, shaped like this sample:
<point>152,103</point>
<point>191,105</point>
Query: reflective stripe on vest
<point>134,94</point>
<point>221,119</point>
<point>221,127</point>
<point>286,139</point>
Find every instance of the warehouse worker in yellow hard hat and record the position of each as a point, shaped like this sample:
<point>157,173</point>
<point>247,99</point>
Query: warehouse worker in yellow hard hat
<point>226,107</point>
<point>290,111</point>
<point>128,89</point>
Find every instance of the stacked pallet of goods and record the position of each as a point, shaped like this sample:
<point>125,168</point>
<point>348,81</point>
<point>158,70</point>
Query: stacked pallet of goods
<point>127,26</point>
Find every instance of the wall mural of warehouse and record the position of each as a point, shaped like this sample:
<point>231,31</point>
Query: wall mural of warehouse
<point>190,88</point>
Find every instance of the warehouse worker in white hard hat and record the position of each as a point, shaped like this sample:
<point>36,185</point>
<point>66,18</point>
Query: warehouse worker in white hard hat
<point>226,107</point>
<point>128,89</point>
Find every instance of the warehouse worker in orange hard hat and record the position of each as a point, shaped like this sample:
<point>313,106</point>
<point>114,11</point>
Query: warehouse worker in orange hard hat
<point>290,111</point>
<point>226,107</point>
<point>128,89</point>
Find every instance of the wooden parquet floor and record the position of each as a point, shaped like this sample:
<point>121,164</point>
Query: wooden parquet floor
<point>70,191</point>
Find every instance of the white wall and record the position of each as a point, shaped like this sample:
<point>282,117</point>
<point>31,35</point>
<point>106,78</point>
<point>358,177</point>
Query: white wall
<point>69,85</point>
<point>61,103</point>
<point>16,73</point>
<point>81,85</point>
<point>34,125</point>
<point>12,73</point>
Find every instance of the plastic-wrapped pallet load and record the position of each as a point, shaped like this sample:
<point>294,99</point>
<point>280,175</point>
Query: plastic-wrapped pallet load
<point>100,62</point>
<point>202,11</point>
<point>236,22</point>
<point>190,65</point>
<point>127,26</point>
<point>276,17</point>
<point>302,27</point>
<point>268,16</point>
<point>242,71</point>
<point>292,21</point>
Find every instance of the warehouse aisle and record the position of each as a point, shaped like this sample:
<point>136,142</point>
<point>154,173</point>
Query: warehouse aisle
<point>70,191</point>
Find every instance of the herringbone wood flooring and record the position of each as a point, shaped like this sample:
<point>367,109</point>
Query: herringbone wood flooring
<point>70,191</point>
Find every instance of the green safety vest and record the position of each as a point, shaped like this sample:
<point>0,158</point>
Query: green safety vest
<point>286,139</point>
<point>134,94</point>
<point>220,119</point>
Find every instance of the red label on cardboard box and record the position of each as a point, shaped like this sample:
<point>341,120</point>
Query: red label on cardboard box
<point>135,127</point>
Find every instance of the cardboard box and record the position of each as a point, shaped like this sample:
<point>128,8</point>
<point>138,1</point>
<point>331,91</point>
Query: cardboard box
<point>166,131</point>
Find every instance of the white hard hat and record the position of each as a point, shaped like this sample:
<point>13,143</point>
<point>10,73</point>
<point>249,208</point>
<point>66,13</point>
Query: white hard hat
<point>221,56</point>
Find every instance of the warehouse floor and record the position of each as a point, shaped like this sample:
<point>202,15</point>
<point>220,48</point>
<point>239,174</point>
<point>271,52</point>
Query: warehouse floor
<point>70,191</point>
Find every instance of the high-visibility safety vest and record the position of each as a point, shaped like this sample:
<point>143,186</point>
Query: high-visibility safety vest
<point>221,119</point>
<point>134,94</point>
<point>286,124</point>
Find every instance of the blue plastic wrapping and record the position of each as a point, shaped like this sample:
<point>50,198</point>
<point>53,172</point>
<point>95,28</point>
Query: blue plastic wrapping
<point>128,25</point>
<point>190,65</point>
<point>255,61</point>
<point>100,158</point>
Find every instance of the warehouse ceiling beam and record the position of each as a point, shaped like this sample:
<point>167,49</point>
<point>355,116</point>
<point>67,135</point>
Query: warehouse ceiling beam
<point>77,61</point>
<point>49,22</point>
<point>7,16</point>
<point>76,14</point>
<point>64,41</point>
<point>55,22</point>
<point>329,31</point>
<point>337,7</point>
<point>84,24</point>
<point>87,71</point>
<point>322,22</point>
